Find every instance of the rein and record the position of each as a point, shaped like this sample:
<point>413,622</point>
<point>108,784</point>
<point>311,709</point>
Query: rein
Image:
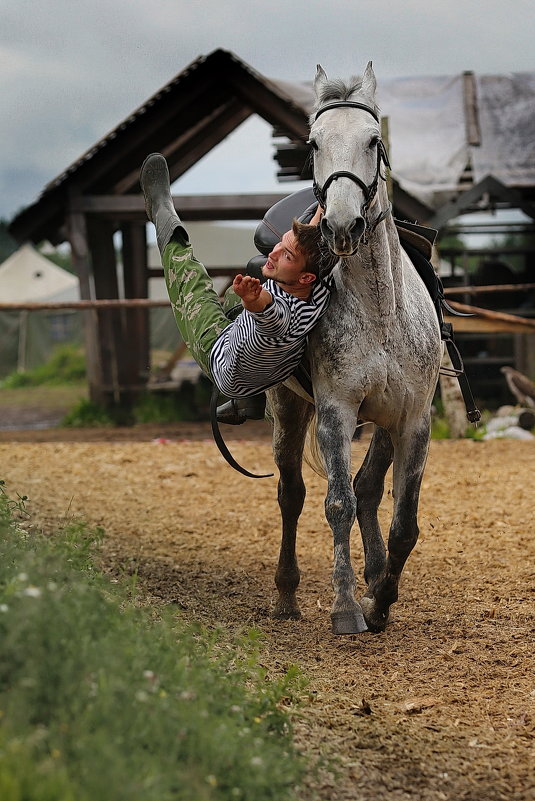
<point>221,444</point>
<point>370,190</point>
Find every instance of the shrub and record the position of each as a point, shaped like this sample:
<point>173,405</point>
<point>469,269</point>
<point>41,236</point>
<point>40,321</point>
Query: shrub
<point>100,699</point>
<point>86,414</point>
<point>67,365</point>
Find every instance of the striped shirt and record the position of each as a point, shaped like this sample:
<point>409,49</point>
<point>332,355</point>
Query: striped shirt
<point>261,349</point>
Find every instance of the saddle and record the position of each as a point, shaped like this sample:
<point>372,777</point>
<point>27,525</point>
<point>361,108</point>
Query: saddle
<point>417,241</point>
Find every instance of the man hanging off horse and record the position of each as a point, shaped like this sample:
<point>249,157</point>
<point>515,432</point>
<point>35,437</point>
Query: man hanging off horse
<point>265,343</point>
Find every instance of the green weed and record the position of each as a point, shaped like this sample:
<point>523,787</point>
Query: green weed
<point>85,414</point>
<point>100,699</point>
<point>67,365</point>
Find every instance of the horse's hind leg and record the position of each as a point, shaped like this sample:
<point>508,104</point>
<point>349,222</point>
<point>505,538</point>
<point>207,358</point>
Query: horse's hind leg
<point>410,454</point>
<point>291,416</point>
<point>369,488</point>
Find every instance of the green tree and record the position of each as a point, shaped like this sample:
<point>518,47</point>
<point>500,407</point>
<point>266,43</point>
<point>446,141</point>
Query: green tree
<point>7,244</point>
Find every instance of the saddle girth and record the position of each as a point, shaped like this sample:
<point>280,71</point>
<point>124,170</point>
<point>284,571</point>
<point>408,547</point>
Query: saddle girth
<point>434,286</point>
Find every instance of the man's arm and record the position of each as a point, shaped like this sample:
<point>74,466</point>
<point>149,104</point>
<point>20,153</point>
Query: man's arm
<point>253,296</point>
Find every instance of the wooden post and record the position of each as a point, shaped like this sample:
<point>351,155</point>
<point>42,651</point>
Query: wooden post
<point>23,341</point>
<point>112,342</point>
<point>452,401</point>
<point>77,235</point>
<point>136,285</point>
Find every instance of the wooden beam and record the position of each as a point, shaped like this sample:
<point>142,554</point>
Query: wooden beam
<point>78,239</point>
<point>471,111</point>
<point>465,202</point>
<point>191,207</point>
<point>267,103</point>
<point>191,145</point>
<point>487,320</point>
<point>485,325</point>
<point>111,340</point>
<point>136,285</point>
<point>77,233</point>
<point>179,109</point>
<point>479,290</point>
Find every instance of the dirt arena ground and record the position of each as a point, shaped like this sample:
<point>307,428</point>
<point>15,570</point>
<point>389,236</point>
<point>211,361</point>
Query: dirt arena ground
<point>441,707</point>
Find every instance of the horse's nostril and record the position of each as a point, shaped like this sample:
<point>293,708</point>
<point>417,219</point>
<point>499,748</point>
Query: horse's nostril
<point>357,229</point>
<point>326,228</point>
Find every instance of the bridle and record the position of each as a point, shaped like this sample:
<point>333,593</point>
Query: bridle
<point>369,190</point>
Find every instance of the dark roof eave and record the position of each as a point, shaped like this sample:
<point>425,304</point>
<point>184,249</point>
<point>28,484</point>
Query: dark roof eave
<point>44,218</point>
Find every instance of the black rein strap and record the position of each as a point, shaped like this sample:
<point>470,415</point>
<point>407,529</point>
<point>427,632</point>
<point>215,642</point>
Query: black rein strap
<point>220,442</point>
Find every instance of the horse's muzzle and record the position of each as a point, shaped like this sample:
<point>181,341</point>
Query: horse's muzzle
<point>343,240</point>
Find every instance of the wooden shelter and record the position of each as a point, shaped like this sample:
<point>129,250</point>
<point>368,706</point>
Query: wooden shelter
<point>99,195</point>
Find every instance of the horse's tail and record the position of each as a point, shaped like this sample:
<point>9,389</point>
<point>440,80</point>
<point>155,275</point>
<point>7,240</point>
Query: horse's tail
<point>312,454</point>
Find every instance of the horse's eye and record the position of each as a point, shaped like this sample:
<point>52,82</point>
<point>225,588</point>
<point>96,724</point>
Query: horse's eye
<point>374,142</point>
<point>313,144</point>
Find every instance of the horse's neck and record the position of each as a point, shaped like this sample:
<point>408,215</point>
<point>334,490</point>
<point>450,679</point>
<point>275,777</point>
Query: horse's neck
<point>374,273</point>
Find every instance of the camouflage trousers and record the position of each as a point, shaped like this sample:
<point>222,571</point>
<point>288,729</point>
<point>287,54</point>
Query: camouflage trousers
<point>199,314</point>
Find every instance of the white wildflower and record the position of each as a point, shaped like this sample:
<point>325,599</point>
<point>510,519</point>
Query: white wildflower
<point>32,592</point>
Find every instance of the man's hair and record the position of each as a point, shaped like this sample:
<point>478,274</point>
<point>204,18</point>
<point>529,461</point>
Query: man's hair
<point>310,243</point>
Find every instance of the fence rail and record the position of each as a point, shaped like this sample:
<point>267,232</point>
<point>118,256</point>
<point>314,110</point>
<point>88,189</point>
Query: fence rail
<point>147,303</point>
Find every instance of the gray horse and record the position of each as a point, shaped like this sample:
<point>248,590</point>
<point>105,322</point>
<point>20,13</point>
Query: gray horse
<point>374,356</point>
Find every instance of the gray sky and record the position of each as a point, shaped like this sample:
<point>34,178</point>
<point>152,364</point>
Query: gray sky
<point>70,70</point>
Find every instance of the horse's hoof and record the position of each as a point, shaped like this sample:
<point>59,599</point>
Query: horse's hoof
<point>286,612</point>
<point>376,620</point>
<point>348,623</point>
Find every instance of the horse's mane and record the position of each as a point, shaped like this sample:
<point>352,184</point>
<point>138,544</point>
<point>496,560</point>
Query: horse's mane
<point>336,89</point>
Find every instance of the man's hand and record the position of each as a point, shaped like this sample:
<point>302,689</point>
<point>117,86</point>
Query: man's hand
<point>254,297</point>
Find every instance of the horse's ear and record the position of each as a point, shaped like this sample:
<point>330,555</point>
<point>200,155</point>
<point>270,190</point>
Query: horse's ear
<point>369,83</point>
<point>320,79</point>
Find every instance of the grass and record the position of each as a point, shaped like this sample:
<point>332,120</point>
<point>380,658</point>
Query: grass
<point>67,365</point>
<point>61,384</point>
<point>62,396</point>
<point>102,699</point>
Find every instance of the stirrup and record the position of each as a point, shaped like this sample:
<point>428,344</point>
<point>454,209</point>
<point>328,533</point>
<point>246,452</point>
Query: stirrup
<point>237,410</point>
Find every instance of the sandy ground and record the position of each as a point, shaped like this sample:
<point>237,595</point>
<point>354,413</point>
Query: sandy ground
<point>442,705</point>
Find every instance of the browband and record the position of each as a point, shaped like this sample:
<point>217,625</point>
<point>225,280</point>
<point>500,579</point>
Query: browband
<point>345,104</point>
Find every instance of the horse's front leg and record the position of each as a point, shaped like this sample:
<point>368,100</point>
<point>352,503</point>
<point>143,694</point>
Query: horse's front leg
<point>291,416</point>
<point>334,438</point>
<point>410,455</point>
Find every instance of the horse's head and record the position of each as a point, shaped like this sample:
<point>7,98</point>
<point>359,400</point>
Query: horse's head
<point>345,137</point>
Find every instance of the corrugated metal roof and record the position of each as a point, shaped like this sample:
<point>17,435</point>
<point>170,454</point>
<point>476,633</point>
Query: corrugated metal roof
<point>440,126</point>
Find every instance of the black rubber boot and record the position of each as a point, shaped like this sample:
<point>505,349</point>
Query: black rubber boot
<point>236,411</point>
<point>156,186</point>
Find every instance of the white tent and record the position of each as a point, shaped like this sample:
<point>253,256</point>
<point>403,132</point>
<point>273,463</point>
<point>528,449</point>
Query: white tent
<point>28,339</point>
<point>26,276</point>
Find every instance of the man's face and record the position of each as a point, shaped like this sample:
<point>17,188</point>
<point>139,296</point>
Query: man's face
<point>285,263</point>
